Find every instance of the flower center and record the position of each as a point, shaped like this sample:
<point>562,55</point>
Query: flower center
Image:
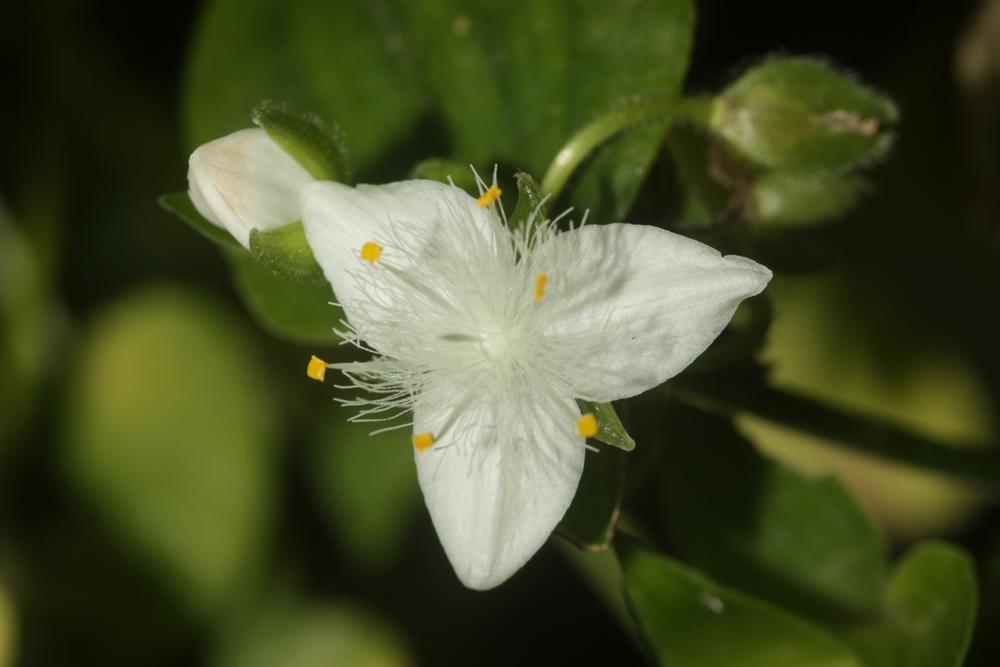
<point>494,344</point>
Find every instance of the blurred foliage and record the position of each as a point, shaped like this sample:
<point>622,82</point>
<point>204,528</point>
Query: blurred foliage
<point>165,379</point>
<point>822,344</point>
<point>365,486</point>
<point>29,325</point>
<point>167,467</point>
<point>312,637</point>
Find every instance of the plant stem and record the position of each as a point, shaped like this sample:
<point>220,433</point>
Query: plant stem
<point>980,465</point>
<point>605,128</point>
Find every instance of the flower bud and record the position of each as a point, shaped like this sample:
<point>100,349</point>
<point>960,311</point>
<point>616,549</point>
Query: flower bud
<point>245,180</point>
<point>798,113</point>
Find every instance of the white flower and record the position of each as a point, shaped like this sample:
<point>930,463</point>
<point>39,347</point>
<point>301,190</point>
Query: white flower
<point>489,335</point>
<point>245,180</point>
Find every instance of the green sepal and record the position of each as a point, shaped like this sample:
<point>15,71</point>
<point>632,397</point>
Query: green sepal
<point>609,427</point>
<point>317,147</point>
<point>180,204</point>
<point>529,201</point>
<point>444,170</point>
<point>286,253</point>
<point>782,198</point>
<point>799,113</point>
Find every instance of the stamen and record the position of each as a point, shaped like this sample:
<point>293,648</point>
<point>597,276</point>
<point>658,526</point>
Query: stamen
<point>371,251</point>
<point>316,368</point>
<point>423,441</point>
<point>490,196</point>
<point>540,281</point>
<point>586,425</point>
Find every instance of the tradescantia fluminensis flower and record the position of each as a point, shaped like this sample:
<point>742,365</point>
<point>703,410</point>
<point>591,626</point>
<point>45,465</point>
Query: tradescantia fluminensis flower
<point>488,335</point>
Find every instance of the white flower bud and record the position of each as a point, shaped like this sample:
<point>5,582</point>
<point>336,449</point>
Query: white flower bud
<point>245,181</point>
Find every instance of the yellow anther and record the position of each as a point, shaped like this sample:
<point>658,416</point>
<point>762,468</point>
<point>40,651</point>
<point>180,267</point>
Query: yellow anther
<point>586,425</point>
<point>423,441</point>
<point>316,368</point>
<point>489,196</point>
<point>540,281</point>
<point>371,251</point>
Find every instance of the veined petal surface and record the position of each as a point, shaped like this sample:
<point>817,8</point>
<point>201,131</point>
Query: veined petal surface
<point>499,478</point>
<point>400,217</point>
<point>630,306</point>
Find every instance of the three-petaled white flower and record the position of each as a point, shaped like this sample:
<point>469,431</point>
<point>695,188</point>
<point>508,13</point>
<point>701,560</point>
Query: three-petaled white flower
<point>488,336</point>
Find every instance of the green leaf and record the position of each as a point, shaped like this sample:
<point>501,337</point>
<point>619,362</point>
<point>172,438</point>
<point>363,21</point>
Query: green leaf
<point>799,113</point>
<point>170,434</point>
<point>591,521</point>
<point>931,603</point>
<point>447,171</point>
<point>300,312</point>
<point>179,203</point>
<point>341,60</point>
<point>610,430</point>
<point>317,636</point>
<point>8,629</point>
<point>286,253</point>
<point>366,486</point>
<point>317,147</point>
<point>514,83</point>
<point>31,328</point>
<point>690,621</point>
<point>800,542</point>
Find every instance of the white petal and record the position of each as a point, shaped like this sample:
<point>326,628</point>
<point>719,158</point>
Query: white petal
<point>245,180</point>
<point>630,306</point>
<point>339,220</point>
<point>499,479</point>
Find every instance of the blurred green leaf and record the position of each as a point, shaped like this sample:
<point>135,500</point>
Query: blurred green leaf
<point>602,572</point>
<point>514,82</point>
<point>765,529</point>
<point>610,430</point>
<point>180,204</point>
<point>29,327</point>
<point>342,60</point>
<point>319,636</point>
<point>796,198</point>
<point>931,603</point>
<point>592,519</point>
<point>366,486</point>
<point>8,630</point>
<point>690,621</point>
<point>799,113</point>
<point>286,253</point>
<point>445,171</point>
<point>317,147</point>
<point>301,312</point>
<point>170,434</point>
